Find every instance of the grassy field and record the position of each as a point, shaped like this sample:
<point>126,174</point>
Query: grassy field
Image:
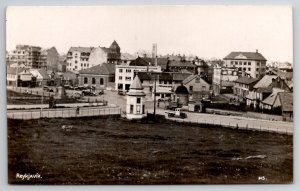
<point>112,151</point>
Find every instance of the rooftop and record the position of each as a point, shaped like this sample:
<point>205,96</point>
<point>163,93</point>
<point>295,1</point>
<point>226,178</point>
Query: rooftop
<point>81,49</point>
<point>246,80</point>
<point>265,81</point>
<point>104,69</point>
<point>245,56</point>
<point>286,99</point>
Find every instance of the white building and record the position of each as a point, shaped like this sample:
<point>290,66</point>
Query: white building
<point>125,74</point>
<point>78,58</point>
<point>135,105</point>
<point>253,63</point>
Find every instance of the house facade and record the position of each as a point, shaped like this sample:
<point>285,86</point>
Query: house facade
<point>253,63</point>
<point>79,58</point>
<point>198,88</point>
<point>49,59</point>
<point>27,55</point>
<point>242,86</point>
<point>124,75</point>
<point>223,79</point>
<point>100,76</point>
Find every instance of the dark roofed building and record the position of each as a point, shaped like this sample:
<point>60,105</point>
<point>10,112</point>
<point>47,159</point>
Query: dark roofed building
<point>100,76</point>
<point>245,56</point>
<point>284,100</point>
<point>252,63</point>
<point>146,61</point>
<point>178,66</point>
<point>242,86</point>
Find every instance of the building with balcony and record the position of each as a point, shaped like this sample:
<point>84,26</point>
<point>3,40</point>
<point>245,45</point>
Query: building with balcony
<point>25,55</point>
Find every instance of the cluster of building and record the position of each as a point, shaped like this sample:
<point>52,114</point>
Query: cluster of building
<point>244,76</point>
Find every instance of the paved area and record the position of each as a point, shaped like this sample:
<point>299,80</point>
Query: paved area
<point>235,122</point>
<point>113,98</point>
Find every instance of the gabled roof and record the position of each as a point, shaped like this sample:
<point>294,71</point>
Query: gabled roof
<point>246,80</point>
<point>245,56</point>
<point>114,45</point>
<point>265,81</point>
<point>139,62</point>
<point>127,56</point>
<point>286,99</point>
<point>40,73</point>
<point>81,49</point>
<point>104,69</point>
<point>191,77</point>
<point>271,98</point>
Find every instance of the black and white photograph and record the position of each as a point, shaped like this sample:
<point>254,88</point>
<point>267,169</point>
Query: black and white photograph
<point>149,95</point>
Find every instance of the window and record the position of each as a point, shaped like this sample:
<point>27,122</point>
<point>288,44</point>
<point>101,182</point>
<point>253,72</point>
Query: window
<point>249,69</point>
<point>128,70</point>
<point>75,67</point>
<point>128,78</point>
<point>203,88</point>
<point>249,63</point>
<point>87,65</point>
<point>138,100</point>
<point>257,69</point>
<point>240,63</point>
<point>120,70</point>
<point>138,109</point>
<point>93,80</point>
<point>257,64</point>
<point>120,77</point>
<point>191,88</point>
<point>245,63</point>
<point>75,61</point>
<point>143,109</point>
<point>256,75</point>
<point>101,81</point>
<point>85,80</point>
<point>81,64</point>
<point>236,63</point>
<point>231,62</point>
<point>244,69</point>
<point>84,65</point>
<point>131,109</point>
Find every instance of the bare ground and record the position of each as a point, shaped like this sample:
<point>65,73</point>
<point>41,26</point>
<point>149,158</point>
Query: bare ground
<point>113,151</point>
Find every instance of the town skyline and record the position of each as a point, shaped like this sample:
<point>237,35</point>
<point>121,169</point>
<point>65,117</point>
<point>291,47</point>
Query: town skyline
<point>219,25</point>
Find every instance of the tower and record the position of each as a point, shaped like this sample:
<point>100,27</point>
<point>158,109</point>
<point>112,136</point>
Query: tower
<point>154,50</point>
<point>135,104</point>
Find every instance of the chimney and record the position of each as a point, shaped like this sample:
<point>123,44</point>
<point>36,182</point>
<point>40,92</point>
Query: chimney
<point>156,61</point>
<point>256,51</point>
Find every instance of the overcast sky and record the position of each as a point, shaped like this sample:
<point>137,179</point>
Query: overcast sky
<point>206,31</point>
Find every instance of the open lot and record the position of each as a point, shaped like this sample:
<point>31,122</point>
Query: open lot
<point>113,151</point>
